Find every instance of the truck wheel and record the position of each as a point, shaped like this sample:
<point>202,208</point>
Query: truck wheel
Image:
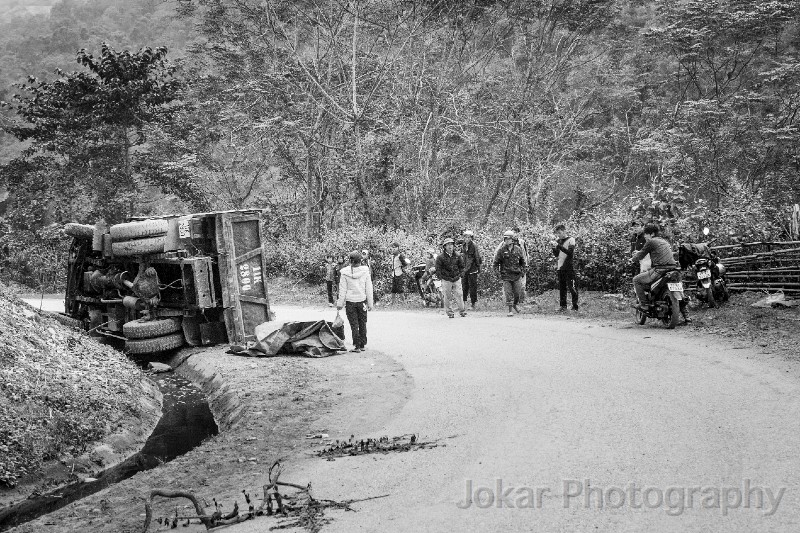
<point>151,245</point>
<point>154,345</point>
<point>145,329</point>
<point>79,231</point>
<point>138,230</point>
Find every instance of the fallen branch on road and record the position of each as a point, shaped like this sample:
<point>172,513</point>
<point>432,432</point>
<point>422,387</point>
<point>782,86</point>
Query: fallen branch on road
<point>354,447</point>
<point>300,508</point>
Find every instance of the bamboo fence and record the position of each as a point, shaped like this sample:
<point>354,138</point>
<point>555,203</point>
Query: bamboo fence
<point>762,266</point>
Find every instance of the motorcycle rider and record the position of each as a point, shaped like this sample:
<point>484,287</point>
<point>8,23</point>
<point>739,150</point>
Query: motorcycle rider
<point>662,261</point>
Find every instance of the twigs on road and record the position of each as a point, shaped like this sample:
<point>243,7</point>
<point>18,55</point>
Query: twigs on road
<point>353,447</point>
<point>299,508</point>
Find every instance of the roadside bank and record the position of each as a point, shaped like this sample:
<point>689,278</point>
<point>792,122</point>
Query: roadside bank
<point>264,407</point>
<point>69,407</point>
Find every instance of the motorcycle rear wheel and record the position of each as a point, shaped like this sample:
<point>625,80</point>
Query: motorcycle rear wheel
<point>641,318</point>
<point>671,320</point>
<point>712,302</point>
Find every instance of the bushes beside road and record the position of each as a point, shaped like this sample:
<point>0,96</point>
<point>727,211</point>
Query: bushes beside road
<point>600,260</point>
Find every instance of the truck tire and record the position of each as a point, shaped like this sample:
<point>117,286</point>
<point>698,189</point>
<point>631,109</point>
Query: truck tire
<point>145,329</point>
<point>79,231</point>
<point>155,344</point>
<point>151,245</point>
<point>138,230</point>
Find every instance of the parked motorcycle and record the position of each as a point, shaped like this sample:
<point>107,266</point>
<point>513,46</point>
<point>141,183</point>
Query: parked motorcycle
<point>664,300</point>
<point>711,286</point>
<point>430,290</point>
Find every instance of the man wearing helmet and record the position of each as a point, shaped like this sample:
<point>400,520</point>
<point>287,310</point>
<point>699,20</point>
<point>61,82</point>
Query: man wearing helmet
<point>511,260</point>
<point>472,265</point>
<point>450,268</point>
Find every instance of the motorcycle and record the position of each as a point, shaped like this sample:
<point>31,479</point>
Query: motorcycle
<point>430,290</point>
<point>664,300</point>
<point>711,286</point>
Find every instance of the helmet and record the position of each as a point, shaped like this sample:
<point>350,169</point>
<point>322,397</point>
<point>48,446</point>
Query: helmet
<point>469,233</point>
<point>364,253</point>
<point>448,241</point>
<point>431,251</point>
<point>510,234</point>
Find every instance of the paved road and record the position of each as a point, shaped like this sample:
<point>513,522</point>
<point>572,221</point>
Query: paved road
<point>553,407</point>
<point>560,406</point>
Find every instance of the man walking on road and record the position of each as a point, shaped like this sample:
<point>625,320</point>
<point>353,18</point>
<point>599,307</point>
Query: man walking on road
<point>564,249</point>
<point>450,268</point>
<point>511,261</point>
<point>472,264</point>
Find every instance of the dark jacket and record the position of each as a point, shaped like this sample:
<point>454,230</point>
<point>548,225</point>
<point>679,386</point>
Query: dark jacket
<point>449,267</point>
<point>564,251</point>
<point>511,262</point>
<point>472,258</point>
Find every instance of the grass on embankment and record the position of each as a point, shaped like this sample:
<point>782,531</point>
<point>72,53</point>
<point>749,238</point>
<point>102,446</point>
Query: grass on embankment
<point>59,390</point>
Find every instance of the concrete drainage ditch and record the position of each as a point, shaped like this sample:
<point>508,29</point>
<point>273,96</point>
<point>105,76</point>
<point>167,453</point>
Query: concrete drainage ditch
<point>186,422</point>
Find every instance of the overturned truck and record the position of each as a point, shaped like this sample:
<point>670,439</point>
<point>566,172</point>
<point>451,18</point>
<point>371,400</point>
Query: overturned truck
<point>161,283</point>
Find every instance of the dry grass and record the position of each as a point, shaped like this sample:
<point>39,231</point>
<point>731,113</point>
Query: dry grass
<point>59,389</point>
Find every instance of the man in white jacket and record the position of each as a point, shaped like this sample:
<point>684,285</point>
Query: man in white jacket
<point>355,296</point>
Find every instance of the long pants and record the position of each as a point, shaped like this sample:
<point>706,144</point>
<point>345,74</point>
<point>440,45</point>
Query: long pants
<point>566,281</point>
<point>356,313</point>
<point>449,289</point>
<point>330,291</point>
<point>512,291</point>
<point>469,287</point>
<point>523,286</point>
<point>642,282</point>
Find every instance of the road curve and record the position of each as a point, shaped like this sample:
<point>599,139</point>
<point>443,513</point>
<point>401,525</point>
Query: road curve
<point>555,409</point>
<point>547,410</point>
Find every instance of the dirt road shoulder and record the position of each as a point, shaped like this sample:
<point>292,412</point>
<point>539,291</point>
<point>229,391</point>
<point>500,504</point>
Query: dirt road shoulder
<point>265,407</point>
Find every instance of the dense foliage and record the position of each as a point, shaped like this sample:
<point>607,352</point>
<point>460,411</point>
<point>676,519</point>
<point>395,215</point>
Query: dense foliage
<point>419,115</point>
